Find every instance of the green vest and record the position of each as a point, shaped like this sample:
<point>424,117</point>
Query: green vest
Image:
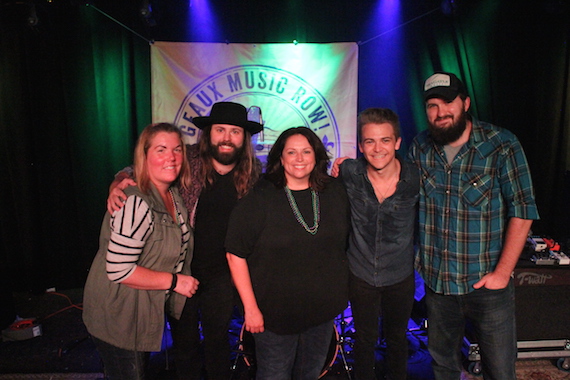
<point>128,318</point>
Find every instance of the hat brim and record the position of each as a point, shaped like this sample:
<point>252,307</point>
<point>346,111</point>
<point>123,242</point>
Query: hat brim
<point>205,121</point>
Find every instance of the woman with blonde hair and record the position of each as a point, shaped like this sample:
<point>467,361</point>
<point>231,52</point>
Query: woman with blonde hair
<point>142,266</point>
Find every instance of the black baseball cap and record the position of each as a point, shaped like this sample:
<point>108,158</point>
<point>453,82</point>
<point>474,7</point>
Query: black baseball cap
<point>443,85</point>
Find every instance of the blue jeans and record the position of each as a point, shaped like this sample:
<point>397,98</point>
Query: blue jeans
<point>296,356</point>
<point>492,315</point>
<point>121,364</point>
<point>395,303</point>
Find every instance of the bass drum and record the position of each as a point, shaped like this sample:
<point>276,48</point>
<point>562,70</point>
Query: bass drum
<point>247,349</point>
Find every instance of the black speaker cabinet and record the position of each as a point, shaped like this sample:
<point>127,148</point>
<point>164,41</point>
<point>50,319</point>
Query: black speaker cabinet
<point>542,299</point>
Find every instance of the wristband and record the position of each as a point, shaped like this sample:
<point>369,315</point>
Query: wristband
<point>174,282</point>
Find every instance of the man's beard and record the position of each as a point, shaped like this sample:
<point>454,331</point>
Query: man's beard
<point>226,158</point>
<point>446,135</point>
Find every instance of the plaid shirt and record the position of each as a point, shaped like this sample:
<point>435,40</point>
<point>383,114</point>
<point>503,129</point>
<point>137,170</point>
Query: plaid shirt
<point>465,205</point>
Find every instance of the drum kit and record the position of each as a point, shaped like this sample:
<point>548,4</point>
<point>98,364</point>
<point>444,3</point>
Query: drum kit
<point>339,357</point>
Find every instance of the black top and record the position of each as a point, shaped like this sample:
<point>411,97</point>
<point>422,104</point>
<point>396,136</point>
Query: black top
<point>299,280</point>
<point>213,211</point>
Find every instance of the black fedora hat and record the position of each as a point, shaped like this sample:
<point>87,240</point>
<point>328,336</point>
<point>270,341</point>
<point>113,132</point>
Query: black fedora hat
<point>228,113</point>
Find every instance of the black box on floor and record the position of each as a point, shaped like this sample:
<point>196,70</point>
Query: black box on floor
<point>542,300</point>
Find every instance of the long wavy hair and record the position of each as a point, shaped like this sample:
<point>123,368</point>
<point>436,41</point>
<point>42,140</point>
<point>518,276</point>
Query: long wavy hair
<point>275,172</point>
<point>246,172</point>
<point>141,150</point>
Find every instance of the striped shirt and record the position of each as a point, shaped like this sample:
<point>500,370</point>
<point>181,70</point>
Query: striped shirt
<point>465,205</point>
<point>130,228</point>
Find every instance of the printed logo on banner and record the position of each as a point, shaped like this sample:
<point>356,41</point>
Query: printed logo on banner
<point>286,100</point>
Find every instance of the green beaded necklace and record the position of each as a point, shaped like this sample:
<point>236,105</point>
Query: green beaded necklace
<point>299,216</point>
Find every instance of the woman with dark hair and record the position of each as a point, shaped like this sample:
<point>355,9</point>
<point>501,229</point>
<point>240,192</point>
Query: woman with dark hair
<point>286,246</point>
<point>142,266</point>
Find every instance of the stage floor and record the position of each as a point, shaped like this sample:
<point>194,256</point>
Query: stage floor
<point>64,351</point>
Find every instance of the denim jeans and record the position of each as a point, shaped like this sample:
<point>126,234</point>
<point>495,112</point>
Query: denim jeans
<point>296,356</point>
<point>212,307</point>
<point>120,364</point>
<point>395,303</point>
<point>492,315</point>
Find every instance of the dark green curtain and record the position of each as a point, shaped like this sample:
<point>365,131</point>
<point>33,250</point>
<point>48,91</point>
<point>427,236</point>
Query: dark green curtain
<point>514,59</point>
<point>75,92</point>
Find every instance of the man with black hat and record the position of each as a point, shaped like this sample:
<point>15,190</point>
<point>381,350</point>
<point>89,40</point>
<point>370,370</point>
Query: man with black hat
<point>223,168</point>
<point>476,208</point>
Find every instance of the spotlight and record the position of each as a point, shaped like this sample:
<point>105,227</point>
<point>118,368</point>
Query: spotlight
<point>448,7</point>
<point>146,13</point>
<point>145,9</point>
<point>32,19</point>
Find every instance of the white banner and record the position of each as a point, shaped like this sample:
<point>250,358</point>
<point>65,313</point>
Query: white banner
<point>311,85</point>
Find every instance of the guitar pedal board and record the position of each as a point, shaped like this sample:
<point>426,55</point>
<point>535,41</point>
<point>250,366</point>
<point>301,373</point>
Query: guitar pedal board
<point>546,251</point>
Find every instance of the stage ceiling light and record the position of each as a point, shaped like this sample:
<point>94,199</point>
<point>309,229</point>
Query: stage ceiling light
<point>32,19</point>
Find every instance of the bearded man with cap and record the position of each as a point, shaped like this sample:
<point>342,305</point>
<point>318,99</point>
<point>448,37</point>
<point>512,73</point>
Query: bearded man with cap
<point>476,209</point>
<point>223,169</point>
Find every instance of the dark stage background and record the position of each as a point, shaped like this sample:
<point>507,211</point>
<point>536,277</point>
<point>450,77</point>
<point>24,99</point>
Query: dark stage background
<point>75,92</point>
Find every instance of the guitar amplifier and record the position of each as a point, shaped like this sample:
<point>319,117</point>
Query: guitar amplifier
<point>542,300</point>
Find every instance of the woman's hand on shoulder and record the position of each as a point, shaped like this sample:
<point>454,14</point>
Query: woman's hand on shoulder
<point>186,285</point>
